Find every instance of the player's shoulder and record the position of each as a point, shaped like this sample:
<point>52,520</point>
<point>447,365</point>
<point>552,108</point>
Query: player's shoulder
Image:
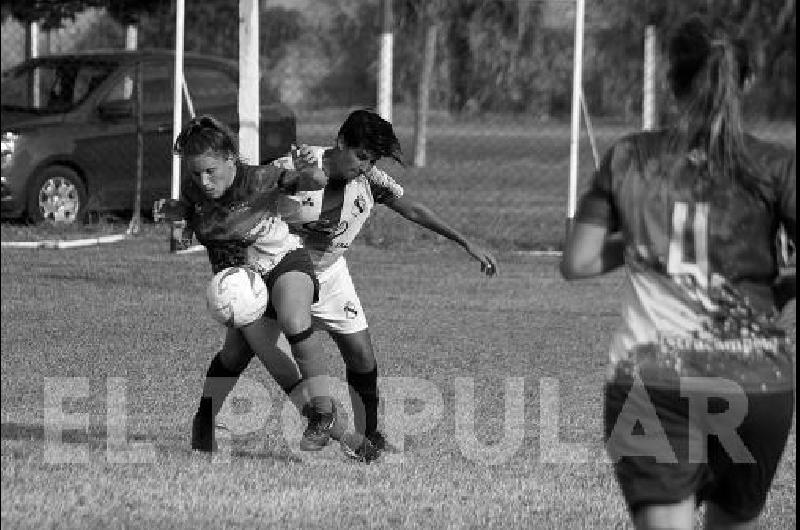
<point>258,177</point>
<point>642,144</point>
<point>378,177</point>
<point>627,151</point>
<point>383,187</point>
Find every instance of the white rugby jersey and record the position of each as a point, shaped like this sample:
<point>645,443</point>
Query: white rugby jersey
<point>328,220</point>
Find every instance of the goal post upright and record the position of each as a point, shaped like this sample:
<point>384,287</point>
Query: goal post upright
<point>385,61</point>
<point>574,143</point>
<point>176,232</point>
<point>177,95</point>
<point>649,88</point>
<point>248,81</point>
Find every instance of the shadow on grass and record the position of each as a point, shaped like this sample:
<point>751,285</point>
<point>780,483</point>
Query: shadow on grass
<point>96,437</point>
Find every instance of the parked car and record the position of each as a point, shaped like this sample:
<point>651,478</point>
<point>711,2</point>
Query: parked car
<point>69,140</point>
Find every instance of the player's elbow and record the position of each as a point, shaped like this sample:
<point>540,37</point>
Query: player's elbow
<point>573,268</point>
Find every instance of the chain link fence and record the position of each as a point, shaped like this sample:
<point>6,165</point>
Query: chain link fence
<point>498,131</point>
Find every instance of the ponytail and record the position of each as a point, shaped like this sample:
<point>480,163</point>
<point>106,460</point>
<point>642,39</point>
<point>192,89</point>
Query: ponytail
<point>708,72</point>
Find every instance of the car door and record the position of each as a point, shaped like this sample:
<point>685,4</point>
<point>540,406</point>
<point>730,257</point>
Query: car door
<point>105,146</point>
<point>157,105</point>
<point>117,183</point>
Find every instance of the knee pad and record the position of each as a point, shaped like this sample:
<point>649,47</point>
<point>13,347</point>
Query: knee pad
<point>299,337</point>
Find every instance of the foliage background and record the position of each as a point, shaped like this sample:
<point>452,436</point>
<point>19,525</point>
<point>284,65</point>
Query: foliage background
<point>510,56</point>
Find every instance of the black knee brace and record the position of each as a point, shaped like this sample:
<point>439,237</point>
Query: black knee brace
<point>299,337</point>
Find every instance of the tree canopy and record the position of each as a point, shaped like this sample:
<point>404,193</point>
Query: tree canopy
<point>491,55</point>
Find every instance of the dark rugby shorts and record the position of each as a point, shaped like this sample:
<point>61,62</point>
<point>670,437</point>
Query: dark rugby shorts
<point>720,476</point>
<point>297,260</point>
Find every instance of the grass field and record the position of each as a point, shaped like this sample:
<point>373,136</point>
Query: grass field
<point>133,311</point>
<point>128,319</point>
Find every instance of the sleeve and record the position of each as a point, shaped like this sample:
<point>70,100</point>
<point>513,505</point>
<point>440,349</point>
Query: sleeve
<point>264,179</point>
<point>383,187</point>
<point>787,193</point>
<point>597,205</point>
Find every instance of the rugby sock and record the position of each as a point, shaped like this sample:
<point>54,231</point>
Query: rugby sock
<point>364,390</point>
<point>218,384</point>
<point>306,351</point>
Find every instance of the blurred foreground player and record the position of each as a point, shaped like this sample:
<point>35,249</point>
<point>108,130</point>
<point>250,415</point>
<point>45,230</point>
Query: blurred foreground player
<point>700,396</point>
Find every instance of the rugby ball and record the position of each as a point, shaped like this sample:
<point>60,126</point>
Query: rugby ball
<point>236,297</point>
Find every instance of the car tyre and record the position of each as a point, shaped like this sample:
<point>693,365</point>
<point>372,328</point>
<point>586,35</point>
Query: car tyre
<point>57,195</point>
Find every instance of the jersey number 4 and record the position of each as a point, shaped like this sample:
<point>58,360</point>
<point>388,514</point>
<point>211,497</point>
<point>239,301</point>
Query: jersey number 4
<point>688,244</point>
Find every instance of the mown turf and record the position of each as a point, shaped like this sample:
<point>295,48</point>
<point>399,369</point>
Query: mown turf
<point>133,311</point>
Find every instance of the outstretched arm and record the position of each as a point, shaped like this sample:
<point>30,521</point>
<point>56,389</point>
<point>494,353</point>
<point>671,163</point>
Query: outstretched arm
<point>424,216</point>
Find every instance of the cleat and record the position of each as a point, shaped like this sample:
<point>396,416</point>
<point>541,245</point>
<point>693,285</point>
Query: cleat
<point>203,438</point>
<point>380,443</point>
<point>359,448</point>
<point>318,433</point>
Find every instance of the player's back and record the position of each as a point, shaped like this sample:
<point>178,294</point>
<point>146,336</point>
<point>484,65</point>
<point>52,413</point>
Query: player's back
<point>678,220</point>
<point>701,259</point>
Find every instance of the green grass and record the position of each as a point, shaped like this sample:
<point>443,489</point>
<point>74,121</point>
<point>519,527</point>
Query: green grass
<point>501,180</point>
<point>134,311</point>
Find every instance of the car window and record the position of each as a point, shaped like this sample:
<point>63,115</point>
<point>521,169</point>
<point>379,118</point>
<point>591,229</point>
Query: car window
<point>52,86</point>
<point>156,84</point>
<point>210,87</point>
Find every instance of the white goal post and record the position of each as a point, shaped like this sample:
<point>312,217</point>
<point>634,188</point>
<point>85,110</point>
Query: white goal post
<point>574,141</point>
<point>579,103</point>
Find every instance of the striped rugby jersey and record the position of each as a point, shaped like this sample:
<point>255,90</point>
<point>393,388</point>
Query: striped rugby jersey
<point>329,220</point>
<point>241,227</point>
<point>700,261</point>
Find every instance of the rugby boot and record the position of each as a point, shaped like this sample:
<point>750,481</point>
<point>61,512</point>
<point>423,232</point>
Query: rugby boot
<point>318,432</point>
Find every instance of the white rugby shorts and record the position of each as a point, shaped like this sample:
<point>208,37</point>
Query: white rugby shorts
<point>339,309</point>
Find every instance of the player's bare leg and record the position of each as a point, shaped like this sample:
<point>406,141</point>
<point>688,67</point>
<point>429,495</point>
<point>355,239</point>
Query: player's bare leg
<point>362,379</point>
<point>292,295</point>
<point>222,374</point>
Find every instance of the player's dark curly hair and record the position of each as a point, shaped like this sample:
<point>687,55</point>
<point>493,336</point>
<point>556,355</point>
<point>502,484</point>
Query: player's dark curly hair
<point>203,134</point>
<point>365,129</point>
<point>708,70</point>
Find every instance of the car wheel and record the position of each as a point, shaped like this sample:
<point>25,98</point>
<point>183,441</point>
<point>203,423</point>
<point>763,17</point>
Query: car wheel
<point>57,195</point>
